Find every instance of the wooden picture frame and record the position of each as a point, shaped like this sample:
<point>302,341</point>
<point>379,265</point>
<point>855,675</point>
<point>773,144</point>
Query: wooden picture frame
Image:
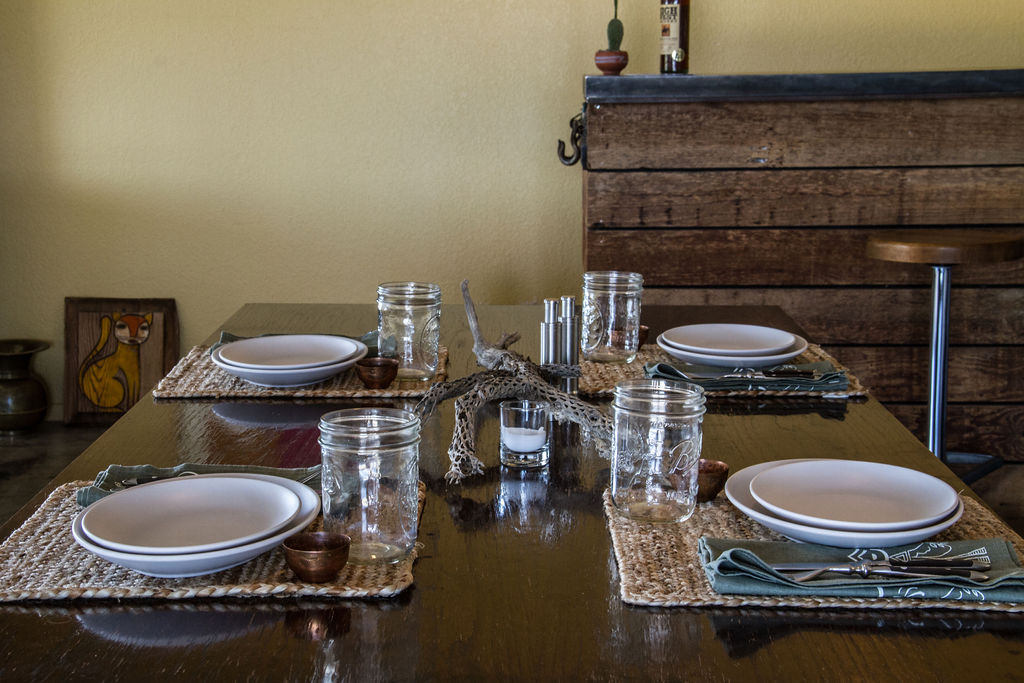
<point>115,350</point>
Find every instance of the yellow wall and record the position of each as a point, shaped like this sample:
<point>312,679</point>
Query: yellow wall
<point>222,151</point>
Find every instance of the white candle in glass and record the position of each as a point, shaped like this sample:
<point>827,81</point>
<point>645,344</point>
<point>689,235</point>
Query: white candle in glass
<point>522,439</point>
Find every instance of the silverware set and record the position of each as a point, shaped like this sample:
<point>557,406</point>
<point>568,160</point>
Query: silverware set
<point>919,568</point>
<point>135,481</point>
<point>781,372</point>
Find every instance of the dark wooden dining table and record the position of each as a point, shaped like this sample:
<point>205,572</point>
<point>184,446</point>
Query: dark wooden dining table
<point>515,578</point>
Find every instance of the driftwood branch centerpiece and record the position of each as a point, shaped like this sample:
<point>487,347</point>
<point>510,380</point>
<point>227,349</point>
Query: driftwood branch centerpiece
<point>507,375</point>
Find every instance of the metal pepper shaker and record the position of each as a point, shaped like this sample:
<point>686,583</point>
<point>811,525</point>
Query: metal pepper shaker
<point>551,334</point>
<point>570,351</point>
<point>570,321</point>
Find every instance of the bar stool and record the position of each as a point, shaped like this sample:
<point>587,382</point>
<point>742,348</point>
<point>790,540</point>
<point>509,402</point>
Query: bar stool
<point>942,249</point>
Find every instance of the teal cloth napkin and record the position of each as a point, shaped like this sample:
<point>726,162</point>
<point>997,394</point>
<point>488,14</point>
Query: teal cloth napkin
<point>119,477</point>
<point>828,378</point>
<point>371,339</point>
<point>742,567</point>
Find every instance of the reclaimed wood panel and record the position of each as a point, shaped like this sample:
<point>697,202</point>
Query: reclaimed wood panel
<point>978,374</point>
<point>767,257</point>
<point>972,428</point>
<point>980,195</point>
<point>872,315</point>
<point>758,135</point>
<point>755,202</point>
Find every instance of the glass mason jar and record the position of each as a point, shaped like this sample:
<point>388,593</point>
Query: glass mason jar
<point>410,313</point>
<point>656,449</point>
<point>370,480</point>
<point>611,315</point>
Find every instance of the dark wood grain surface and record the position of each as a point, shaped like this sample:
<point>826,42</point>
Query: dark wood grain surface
<point>515,580</point>
<point>772,257</point>
<point>974,195</point>
<point>954,131</point>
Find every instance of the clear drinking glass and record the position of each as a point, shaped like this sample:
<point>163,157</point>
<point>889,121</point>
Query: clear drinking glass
<point>410,313</point>
<point>370,480</point>
<point>524,433</point>
<point>656,450</point>
<point>611,315</point>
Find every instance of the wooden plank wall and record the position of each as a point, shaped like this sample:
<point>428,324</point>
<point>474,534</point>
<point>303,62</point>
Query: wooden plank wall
<point>772,203</point>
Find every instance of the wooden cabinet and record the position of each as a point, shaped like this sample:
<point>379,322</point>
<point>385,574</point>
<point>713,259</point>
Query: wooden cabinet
<point>763,189</point>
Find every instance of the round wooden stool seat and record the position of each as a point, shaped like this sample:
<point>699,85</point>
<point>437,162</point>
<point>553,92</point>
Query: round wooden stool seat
<point>942,249</point>
<point>946,247</point>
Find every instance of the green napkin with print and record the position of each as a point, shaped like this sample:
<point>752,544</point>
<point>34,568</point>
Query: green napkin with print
<point>742,567</point>
<point>120,477</point>
<point>821,376</point>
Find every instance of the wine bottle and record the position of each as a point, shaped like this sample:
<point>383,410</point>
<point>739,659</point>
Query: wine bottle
<point>675,36</point>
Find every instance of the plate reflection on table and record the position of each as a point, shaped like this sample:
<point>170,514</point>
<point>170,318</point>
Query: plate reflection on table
<point>272,414</point>
<point>173,628</point>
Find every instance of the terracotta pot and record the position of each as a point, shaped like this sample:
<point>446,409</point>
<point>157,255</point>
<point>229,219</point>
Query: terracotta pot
<point>611,62</point>
<point>23,400</point>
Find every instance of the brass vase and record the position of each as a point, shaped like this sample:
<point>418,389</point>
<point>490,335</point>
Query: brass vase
<point>23,400</point>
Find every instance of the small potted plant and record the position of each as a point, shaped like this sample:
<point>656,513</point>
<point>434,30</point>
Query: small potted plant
<point>613,60</point>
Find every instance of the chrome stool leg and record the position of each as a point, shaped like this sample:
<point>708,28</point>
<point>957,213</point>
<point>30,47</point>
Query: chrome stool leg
<point>939,362</point>
<point>977,464</point>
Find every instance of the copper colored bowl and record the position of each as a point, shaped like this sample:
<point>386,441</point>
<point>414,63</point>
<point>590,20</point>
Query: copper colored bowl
<point>317,556</point>
<point>710,479</point>
<point>618,337</point>
<point>377,372</point>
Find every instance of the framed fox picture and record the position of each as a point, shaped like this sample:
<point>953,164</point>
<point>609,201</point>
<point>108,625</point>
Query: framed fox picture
<point>115,350</point>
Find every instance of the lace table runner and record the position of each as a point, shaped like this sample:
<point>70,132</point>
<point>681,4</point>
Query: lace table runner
<point>196,376</point>
<point>599,379</point>
<point>42,561</point>
<point>659,566</point>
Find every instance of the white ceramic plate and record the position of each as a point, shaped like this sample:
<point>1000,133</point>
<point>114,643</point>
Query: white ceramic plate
<point>197,564</point>
<point>737,489</point>
<point>189,515</point>
<point>726,339</point>
<point>853,496</point>
<point>288,351</point>
<point>287,378</point>
<point>798,347</point>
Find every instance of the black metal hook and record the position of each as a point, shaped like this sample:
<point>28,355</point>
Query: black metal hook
<point>576,128</point>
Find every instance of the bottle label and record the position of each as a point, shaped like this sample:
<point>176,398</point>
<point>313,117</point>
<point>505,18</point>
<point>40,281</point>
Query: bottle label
<point>669,29</point>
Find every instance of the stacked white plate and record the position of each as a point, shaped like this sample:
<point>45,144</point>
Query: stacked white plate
<point>845,503</point>
<point>288,360</point>
<point>731,345</point>
<point>195,525</point>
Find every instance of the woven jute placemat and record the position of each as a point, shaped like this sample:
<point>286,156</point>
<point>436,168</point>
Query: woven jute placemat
<point>599,379</point>
<point>659,565</point>
<point>196,376</point>
<point>42,561</point>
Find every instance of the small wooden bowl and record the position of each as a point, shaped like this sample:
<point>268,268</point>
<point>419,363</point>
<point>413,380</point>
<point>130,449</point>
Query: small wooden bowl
<point>317,556</point>
<point>710,479</point>
<point>618,337</point>
<point>377,372</point>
